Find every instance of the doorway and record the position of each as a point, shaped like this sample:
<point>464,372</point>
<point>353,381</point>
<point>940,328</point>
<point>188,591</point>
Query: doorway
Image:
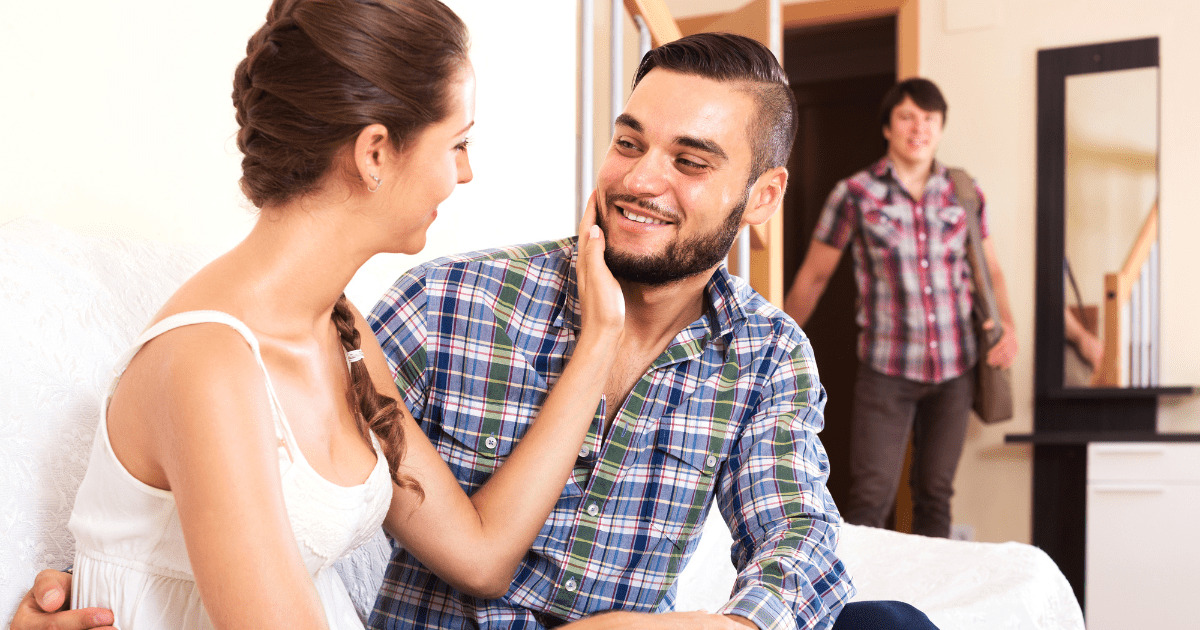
<point>839,73</point>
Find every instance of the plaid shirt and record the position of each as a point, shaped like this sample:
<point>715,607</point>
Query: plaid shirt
<point>910,261</point>
<point>730,410</point>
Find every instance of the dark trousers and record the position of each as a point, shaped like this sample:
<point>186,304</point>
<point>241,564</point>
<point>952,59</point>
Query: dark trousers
<point>882,615</point>
<point>886,409</point>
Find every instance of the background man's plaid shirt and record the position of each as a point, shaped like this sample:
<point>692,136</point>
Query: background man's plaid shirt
<point>476,341</point>
<point>910,261</point>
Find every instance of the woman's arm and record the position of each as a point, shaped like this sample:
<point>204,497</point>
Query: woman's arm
<point>475,543</point>
<point>198,404</point>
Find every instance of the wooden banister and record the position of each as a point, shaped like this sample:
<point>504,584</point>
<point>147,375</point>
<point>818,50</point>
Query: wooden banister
<point>1117,290</point>
<point>657,16</point>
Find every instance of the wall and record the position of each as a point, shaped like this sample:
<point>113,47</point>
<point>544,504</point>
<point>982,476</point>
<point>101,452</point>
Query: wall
<point>117,119</point>
<point>989,74</point>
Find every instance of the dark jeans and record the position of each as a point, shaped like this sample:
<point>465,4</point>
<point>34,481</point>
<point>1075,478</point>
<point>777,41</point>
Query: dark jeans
<point>882,615</point>
<point>886,409</point>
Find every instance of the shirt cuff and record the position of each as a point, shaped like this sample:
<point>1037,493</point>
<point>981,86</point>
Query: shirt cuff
<point>767,610</point>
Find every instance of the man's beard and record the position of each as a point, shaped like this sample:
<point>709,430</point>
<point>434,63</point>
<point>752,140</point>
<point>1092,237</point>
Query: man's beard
<point>681,259</point>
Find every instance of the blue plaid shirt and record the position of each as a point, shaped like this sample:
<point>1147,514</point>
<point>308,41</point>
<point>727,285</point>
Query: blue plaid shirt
<point>730,411</point>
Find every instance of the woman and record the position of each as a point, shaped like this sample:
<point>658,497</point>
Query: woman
<point>252,439</point>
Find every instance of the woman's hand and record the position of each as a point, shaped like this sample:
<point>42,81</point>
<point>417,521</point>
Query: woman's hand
<point>601,301</point>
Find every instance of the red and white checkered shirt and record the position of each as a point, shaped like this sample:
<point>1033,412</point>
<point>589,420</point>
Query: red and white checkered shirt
<point>910,263</point>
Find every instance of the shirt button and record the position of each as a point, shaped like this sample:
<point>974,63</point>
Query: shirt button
<point>924,263</point>
<point>932,344</point>
<point>931,318</point>
<point>584,452</point>
<point>711,461</point>
<point>490,442</point>
<point>928,290</point>
<point>921,236</point>
<point>593,509</point>
<point>571,585</point>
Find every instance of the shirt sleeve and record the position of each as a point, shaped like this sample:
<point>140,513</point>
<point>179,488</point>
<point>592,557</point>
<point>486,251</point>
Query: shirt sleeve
<point>838,218</point>
<point>782,517</point>
<point>400,324</point>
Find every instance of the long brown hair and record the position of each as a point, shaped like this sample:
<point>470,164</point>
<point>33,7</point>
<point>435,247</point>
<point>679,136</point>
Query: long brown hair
<point>315,74</point>
<point>372,411</point>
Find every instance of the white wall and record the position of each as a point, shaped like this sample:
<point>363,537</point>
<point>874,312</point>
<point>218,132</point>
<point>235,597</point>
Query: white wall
<point>117,118</point>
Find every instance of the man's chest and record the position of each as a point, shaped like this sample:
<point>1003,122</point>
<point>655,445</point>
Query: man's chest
<point>908,235</point>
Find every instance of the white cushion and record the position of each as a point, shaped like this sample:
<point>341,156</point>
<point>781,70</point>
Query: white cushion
<point>69,305</point>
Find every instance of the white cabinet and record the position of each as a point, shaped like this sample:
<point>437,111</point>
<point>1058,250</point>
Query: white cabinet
<point>1143,538</point>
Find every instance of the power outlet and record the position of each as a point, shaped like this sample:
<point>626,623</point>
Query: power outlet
<point>962,531</point>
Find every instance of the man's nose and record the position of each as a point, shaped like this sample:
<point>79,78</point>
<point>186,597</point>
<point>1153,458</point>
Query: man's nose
<point>648,176</point>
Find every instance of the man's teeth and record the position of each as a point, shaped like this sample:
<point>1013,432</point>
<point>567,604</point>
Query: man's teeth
<point>641,219</point>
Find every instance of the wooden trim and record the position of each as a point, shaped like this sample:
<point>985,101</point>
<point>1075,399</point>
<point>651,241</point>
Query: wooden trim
<point>663,27</point>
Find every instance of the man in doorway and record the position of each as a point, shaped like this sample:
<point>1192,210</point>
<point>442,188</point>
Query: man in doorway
<point>715,399</point>
<point>907,232</point>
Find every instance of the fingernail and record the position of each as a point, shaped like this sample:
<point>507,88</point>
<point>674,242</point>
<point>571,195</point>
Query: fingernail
<point>595,231</point>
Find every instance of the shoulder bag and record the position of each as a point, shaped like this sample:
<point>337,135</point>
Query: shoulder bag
<point>993,386</point>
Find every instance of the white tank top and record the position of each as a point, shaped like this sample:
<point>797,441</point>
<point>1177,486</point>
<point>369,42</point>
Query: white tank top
<point>129,549</point>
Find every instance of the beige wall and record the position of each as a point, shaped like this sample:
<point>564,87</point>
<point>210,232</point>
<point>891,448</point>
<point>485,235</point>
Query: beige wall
<point>116,118</point>
<point>983,54</point>
<point>989,75</point>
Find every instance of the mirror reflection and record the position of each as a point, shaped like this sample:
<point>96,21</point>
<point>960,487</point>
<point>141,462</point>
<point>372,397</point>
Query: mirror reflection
<point>1111,264</point>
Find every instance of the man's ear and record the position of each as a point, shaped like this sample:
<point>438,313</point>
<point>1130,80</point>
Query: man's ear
<point>766,196</point>
<point>372,149</point>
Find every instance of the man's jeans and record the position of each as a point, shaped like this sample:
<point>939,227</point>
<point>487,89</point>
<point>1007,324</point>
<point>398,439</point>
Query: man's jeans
<point>882,615</point>
<point>886,408</point>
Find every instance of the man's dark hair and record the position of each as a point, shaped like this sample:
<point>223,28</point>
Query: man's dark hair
<point>734,58</point>
<point>923,92</point>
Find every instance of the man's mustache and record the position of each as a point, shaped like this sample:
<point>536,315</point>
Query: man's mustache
<point>644,204</point>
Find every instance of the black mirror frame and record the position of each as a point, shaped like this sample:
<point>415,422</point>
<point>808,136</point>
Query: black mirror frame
<point>1053,67</point>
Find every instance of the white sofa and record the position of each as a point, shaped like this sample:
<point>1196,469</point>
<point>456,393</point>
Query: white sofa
<point>70,303</point>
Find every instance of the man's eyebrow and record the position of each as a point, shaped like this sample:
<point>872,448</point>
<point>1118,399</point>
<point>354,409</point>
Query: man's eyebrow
<point>626,120</point>
<point>702,144</point>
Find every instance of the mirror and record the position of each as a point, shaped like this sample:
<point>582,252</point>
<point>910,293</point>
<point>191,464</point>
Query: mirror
<point>1096,316</point>
<point>1111,240</point>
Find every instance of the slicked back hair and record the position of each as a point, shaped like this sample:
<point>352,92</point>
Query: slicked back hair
<point>732,58</point>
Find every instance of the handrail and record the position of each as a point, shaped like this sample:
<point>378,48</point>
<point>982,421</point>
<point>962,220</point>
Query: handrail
<point>1119,288</point>
<point>1140,252</point>
<point>663,27</point>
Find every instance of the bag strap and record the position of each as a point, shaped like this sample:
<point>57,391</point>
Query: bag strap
<point>985,299</point>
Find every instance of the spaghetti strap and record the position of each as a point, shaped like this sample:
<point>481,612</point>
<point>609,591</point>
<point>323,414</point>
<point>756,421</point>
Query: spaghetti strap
<point>188,318</point>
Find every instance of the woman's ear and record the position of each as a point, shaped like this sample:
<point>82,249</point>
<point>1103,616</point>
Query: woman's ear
<point>372,149</point>
<point>766,196</point>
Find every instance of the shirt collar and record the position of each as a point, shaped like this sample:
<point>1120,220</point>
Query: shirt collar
<point>886,169</point>
<point>724,306</point>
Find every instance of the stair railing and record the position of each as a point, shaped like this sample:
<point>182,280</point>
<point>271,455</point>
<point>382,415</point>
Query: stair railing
<point>1131,308</point>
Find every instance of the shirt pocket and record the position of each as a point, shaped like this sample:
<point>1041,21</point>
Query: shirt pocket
<point>883,226</point>
<point>685,470</point>
<point>482,416</point>
<point>952,224</point>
